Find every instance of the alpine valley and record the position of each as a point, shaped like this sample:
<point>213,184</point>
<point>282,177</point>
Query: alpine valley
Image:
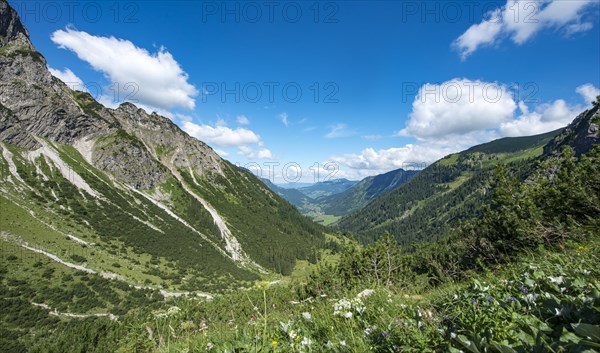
<point>119,232</point>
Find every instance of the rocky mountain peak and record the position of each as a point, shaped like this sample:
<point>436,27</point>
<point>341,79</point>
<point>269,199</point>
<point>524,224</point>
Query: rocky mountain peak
<point>11,27</point>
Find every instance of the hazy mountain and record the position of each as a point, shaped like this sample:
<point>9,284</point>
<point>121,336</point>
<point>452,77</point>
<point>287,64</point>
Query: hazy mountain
<point>363,192</point>
<point>326,188</point>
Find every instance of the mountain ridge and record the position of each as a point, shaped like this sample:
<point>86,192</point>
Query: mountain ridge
<point>134,180</point>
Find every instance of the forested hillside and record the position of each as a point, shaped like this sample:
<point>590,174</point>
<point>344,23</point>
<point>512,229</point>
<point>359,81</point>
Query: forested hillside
<point>451,190</point>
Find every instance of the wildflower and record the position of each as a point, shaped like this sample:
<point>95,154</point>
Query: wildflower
<point>343,343</point>
<point>489,299</point>
<point>305,342</point>
<point>173,310</point>
<point>474,301</point>
<point>369,330</point>
<point>209,346</point>
<point>286,327</point>
<point>524,289</point>
<point>530,298</point>
<point>293,334</point>
<point>385,333</point>
<point>360,309</point>
<point>348,315</point>
<point>365,293</point>
<point>329,344</point>
<point>586,272</point>
<point>274,342</point>
<point>397,321</point>
<point>511,299</point>
<point>306,316</point>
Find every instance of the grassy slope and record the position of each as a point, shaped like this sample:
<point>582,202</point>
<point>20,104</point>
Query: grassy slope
<point>443,194</point>
<point>515,306</point>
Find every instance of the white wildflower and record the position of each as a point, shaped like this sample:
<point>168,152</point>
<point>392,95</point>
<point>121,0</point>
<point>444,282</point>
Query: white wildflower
<point>173,310</point>
<point>369,330</point>
<point>306,316</point>
<point>365,293</point>
<point>557,280</point>
<point>286,327</point>
<point>305,342</point>
<point>209,346</point>
<point>348,315</point>
<point>293,334</point>
<point>343,343</point>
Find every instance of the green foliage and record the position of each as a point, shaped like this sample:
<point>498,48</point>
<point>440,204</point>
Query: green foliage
<point>439,198</point>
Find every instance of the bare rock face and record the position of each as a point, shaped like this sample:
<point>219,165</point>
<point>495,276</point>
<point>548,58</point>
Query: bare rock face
<point>170,145</point>
<point>135,147</point>
<point>581,134</point>
<point>43,105</point>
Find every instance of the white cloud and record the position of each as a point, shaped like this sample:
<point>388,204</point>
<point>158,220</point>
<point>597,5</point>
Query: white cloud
<point>444,125</point>
<point>69,78</point>
<point>458,106</point>
<point>385,160</point>
<point>221,135</point>
<point>284,119</point>
<point>243,120</point>
<point>521,20</point>
<point>589,92</point>
<point>154,79</point>
<point>339,130</point>
<point>480,34</point>
<point>250,153</point>
<point>546,117</point>
<point>221,152</point>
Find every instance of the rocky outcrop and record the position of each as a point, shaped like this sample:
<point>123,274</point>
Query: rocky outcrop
<point>581,134</point>
<point>43,105</point>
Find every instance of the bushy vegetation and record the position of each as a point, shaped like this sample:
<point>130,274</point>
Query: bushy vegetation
<point>433,203</point>
<point>521,278</point>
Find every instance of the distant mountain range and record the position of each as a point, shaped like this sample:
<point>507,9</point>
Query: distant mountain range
<point>326,201</point>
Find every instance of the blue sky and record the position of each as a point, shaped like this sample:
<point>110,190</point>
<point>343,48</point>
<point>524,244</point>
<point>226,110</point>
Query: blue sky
<point>383,84</point>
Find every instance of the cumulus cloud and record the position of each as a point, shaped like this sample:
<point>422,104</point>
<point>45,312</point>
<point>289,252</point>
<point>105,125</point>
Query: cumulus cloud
<point>248,143</point>
<point>69,78</point>
<point>447,124</point>
<point>243,120</point>
<point>588,92</point>
<point>156,78</point>
<point>520,20</point>
<point>221,135</point>
<point>546,117</point>
<point>392,158</point>
<point>251,153</point>
<point>221,153</point>
<point>458,106</point>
